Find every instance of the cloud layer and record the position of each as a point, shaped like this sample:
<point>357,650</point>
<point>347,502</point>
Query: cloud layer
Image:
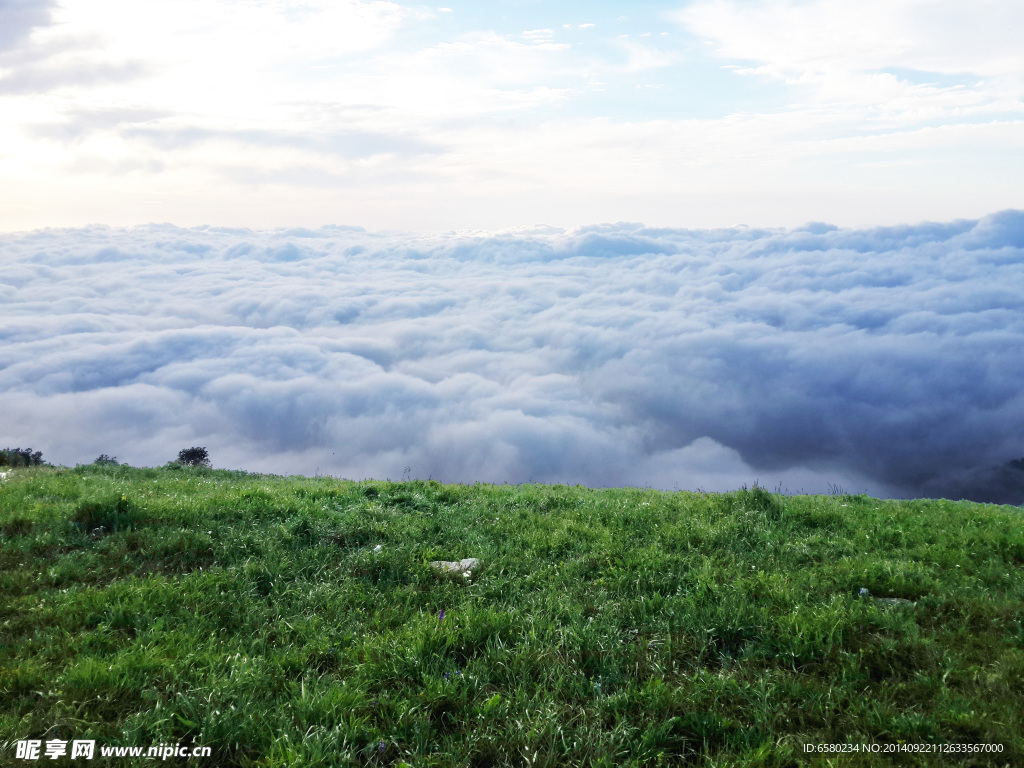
<point>885,360</point>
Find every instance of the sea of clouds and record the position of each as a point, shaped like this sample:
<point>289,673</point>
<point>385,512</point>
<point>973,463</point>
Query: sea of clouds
<point>884,360</point>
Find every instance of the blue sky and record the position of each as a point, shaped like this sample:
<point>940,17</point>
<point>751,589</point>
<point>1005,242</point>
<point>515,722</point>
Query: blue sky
<point>490,115</point>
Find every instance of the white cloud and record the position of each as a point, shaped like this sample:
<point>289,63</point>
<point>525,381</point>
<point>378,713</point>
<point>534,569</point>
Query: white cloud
<point>882,359</point>
<point>232,61</point>
<point>642,57</point>
<point>18,18</point>
<point>287,113</point>
<point>860,53</point>
<point>931,35</point>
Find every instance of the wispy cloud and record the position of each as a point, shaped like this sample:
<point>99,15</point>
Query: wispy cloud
<point>19,17</point>
<point>868,55</point>
<point>272,113</point>
<point>883,359</point>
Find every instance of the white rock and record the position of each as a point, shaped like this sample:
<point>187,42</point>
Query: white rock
<point>456,566</point>
<point>896,602</point>
<point>890,601</point>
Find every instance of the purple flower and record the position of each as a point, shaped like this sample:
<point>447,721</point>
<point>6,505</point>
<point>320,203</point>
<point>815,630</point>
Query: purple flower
<point>440,616</point>
<point>381,746</point>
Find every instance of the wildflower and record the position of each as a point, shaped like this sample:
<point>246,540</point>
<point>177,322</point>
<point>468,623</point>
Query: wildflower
<point>440,616</point>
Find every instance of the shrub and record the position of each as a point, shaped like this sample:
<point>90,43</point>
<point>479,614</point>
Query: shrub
<point>105,460</point>
<point>193,457</point>
<point>106,516</point>
<point>755,499</point>
<point>20,457</point>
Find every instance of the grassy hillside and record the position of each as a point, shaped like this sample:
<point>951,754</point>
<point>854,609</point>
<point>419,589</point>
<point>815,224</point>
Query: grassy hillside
<point>297,621</point>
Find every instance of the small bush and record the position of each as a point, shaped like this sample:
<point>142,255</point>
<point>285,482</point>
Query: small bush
<point>193,457</point>
<point>755,499</point>
<point>106,516</point>
<point>106,461</point>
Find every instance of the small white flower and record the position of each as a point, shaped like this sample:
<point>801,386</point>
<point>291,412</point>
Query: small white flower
<point>378,548</point>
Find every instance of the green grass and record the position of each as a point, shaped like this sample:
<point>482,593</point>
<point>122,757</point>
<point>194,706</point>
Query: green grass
<point>618,627</point>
